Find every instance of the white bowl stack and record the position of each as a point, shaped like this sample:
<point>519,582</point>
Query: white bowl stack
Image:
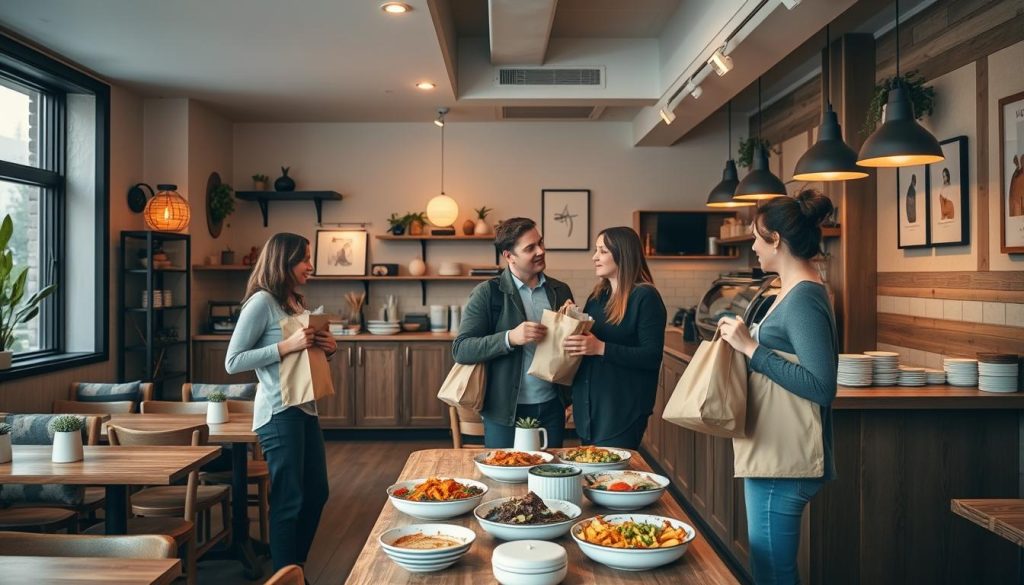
<point>377,327</point>
<point>998,372</point>
<point>855,369</point>
<point>427,560</point>
<point>912,376</point>
<point>885,369</point>
<point>961,371</point>
<point>935,377</point>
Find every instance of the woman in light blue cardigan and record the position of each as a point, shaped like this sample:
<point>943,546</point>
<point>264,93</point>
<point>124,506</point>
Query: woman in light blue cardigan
<point>290,436</point>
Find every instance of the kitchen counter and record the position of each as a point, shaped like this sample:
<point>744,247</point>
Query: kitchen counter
<point>404,336</point>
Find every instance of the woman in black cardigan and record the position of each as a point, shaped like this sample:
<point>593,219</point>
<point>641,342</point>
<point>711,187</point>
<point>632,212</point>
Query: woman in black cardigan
<point>615,387</point>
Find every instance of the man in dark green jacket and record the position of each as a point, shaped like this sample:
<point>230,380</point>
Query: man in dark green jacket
<point>501,327</point>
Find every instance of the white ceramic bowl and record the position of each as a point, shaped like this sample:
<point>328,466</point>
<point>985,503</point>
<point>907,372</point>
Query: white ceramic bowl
<point>622,463</point>
<point>528,532</point>
<point>625,500</point>
<point>634,559</point>
<point>508,474</point>
<point>426,561</point>
<point>436,510</point>
<point>506,577</point>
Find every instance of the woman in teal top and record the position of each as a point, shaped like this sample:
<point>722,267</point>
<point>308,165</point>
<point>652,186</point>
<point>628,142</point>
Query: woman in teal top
<point>292,441</point>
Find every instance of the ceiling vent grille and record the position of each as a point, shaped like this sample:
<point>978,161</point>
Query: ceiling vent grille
<point>589,77</point>
<point>551,112</point>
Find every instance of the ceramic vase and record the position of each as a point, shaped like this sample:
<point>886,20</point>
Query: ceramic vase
<point>5,448</point>
<point>216,413</point>
<point>482,228</point>
<point>417,267</point>
<point>468,227</point>
<point>530,439</point>
<point>284,182</point>
<point>416,228</point>
<point>67,447</point>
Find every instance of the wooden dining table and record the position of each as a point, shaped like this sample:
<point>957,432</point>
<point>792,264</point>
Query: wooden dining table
<point>20,570</point>
<point>700,564</point>
<point>1004,517</point>
<point>239,434</point>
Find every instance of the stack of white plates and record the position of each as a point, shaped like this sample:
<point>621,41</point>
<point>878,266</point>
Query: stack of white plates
<point>885,367</point>
<point>855,369</point>
<point>427,560</point>
<point>961,371</point>
<point>912,376</point>
<point>997,372</point>
<point>377,327</point>
<point>935,377</point>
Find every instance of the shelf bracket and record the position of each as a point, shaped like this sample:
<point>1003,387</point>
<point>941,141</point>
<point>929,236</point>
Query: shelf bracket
<point>423,292</point>
<point>423,256</point>
<point>366,290</point>
<point>319,203</point>
<point>264,209</point>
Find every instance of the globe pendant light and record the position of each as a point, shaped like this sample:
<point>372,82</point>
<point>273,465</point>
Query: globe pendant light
<point>830,159</point>
<point>442,210</point>
<point>167,211</point>
<point>721,194</point>
<point>900,141</point>
<point>760,182</point>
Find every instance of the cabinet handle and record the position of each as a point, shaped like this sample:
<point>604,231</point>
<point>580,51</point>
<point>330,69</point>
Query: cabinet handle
<point>360,357</point>
<point>408,357</point>
<point>350,356</point>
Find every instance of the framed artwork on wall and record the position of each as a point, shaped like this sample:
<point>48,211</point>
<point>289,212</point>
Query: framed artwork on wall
<point>912,207</point>
<point>340,253</point>
<point>949,208</point>
<point>565,218</point>
<point>1011,174</point>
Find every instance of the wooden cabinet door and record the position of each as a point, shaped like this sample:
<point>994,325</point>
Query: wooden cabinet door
<point>720,501</point>
<point>701,472</point>
<point>671,371</point>
<point>425,366</point>
<point>337,411</point>
<point>677,442</point>
<point>378,384</point>
<point>655,424</point>
<point>208,365</point>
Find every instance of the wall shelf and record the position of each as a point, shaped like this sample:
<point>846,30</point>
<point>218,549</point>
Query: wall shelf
<point>826,232</point>
<point>265,197</point>
<point>694,257</point>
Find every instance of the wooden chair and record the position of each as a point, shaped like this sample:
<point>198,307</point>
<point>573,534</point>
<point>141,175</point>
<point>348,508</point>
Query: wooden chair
<point>143,546</point>
<point>167,407</point>
<point>145,392</point>
<point>465,422</point>
<point>290,575</point>
<point>76,407</point>
<point>244,392</point>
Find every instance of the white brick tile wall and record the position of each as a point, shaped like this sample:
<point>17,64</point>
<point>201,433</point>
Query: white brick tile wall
<point>1015,314</point>
<point>972,311</point>
<point>917,307</point>
<point>953,310</point>
<point>901,306</point>
<point>994,313</point>
<point>933,308</point>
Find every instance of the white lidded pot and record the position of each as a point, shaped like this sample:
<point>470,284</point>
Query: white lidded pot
<point>217,412</point>
<point>557,482</point>
<point>529,562</point>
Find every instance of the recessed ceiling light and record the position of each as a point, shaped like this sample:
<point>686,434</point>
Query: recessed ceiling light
<point>395,7</point>
<point>425,85</point>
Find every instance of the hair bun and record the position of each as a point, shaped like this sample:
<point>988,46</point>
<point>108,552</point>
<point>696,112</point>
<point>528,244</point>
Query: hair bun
<point>814,206</point>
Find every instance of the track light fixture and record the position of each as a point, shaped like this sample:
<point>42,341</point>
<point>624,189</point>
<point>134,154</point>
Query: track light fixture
<point>790,4</point>
<point>696,92</point>
<point>720,62</point>
<point>441,113</point>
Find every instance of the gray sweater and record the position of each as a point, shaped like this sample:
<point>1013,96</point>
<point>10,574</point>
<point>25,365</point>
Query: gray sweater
<point>803,324</point>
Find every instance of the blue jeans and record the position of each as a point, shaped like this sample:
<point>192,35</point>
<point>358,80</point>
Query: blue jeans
<point>774,508</point>
<point>551,415</point>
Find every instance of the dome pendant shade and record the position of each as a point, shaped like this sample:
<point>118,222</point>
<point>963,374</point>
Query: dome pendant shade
<point>760,182</point>
<point>830,159</point>
<point>900,141</point>
<point>721,195</point>
<point>167,211</point>
<point>442,211</point>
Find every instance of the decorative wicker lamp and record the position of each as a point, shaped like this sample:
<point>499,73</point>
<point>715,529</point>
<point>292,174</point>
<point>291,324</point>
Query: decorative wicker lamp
<point>167,211</point>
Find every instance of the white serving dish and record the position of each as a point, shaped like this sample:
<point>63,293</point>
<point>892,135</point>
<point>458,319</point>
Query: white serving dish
<point>623,463</point>
<point>436,510</point>
<point>529,562</point>
<point>507,474</point>
<point>634,559</point>
<point>531,532</point>
<point>625,500</point>
<point>449,269</point>
<point>426,561</point>
<point>557,487</point>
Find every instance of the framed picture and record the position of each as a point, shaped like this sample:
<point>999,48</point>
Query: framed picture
<point>912,207</point>
<point>565,218</point>
<point>948,207</point>
<point>340,253</point>
<point>1011,174</point>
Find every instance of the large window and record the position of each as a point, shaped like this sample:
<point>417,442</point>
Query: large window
<point>53,184</point>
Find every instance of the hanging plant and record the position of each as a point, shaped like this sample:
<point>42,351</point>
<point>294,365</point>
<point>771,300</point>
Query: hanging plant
<point>745,153</point>
<point>222,202</point>
<point>921,96</point>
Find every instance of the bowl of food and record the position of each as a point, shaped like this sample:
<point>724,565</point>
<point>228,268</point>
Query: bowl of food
<point>406,326</point>
<point>424,548</point>
<point>624,490</point>
<point>436,498</point>
<point>510,466</point>
<point>527,517</point>
<point>633,542</point>
<point>592,458</point>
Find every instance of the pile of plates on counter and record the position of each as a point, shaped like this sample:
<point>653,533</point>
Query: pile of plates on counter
<point>997,372</point>
<point>961,371</point>
<point>912,376</point>
<point>855,369</point>
<point>885,369</point>
<point>377,327</point>
<point>934,376</point>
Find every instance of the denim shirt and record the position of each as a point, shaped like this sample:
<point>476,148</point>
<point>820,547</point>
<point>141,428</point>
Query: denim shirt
<point>535,301</point>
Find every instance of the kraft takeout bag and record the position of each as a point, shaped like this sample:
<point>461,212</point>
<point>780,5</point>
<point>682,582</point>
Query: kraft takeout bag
<point>711,397</point>
<point>464,387</point>
<point>305,375</point>
<point>551,362</point>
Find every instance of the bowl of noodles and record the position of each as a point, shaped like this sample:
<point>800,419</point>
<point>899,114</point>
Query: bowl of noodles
<point>436,498</point>
<point>510,466</point>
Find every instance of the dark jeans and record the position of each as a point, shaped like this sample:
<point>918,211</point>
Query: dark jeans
<point>628,437</point>
<point>774,509</point>
<point>551,415</point>
<point>294,448</point>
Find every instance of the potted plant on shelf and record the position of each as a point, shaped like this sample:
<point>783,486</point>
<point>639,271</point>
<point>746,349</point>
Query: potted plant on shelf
<point>217,409</point>
<point>482,228</point>
<point>220,203</point>
<point>529,435</point>
<point>67,438</point>
<point>14,309</point>
<point>416,222</point>
<point>396,224</point>
<point>259,182</point>
<point>922,97</point>
<point>5,442</point>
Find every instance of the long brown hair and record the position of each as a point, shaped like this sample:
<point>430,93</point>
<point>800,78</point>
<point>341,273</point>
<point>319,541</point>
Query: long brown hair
<point>624,244</point>
<point>273,269</point>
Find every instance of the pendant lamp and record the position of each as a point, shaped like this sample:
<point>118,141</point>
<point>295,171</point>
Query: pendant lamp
<point>442,210</point>
<point>721,194</point>
<point>900,141</point>
<point>760,182</point>
<point>830,159</point>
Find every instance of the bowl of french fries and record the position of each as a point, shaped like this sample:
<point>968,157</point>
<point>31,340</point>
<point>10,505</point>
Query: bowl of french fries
<point>508,466</point>
<point>436,498</point>
<point>633,542</point>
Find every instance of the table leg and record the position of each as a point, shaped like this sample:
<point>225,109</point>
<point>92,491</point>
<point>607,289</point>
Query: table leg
<point>241,543</point>
<point>116,510</point>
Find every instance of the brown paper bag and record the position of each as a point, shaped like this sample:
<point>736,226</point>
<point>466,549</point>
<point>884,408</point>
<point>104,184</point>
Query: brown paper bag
<point>464,387</point>
<point>305,375</point>
<point>711,397</point>
<point>550,361</point>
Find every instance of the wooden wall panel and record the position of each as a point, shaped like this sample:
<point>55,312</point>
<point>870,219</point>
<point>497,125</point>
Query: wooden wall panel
<point>953,338</point>
<point>1002,281</point>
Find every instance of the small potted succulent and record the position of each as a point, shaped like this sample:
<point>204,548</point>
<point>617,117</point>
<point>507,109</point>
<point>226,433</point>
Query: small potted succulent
<point>259,182</point>
<point>396,224</point>
<point>5,442</point>
<point>416,222</point>
<point>482,228</point>
<point>217,409</point>
<point>15,309</point>
<point>529,435</point>
<point>67,438</point>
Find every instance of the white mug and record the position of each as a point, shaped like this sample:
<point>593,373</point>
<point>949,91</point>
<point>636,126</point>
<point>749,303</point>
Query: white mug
<point>530,439</point>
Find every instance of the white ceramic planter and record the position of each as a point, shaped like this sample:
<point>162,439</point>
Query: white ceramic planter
<point>5,448</point>
<point>482,228</point>
<point>530,439</point>
<point>5,360</point>
<point>216,413</point>
<point>67,447</point>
